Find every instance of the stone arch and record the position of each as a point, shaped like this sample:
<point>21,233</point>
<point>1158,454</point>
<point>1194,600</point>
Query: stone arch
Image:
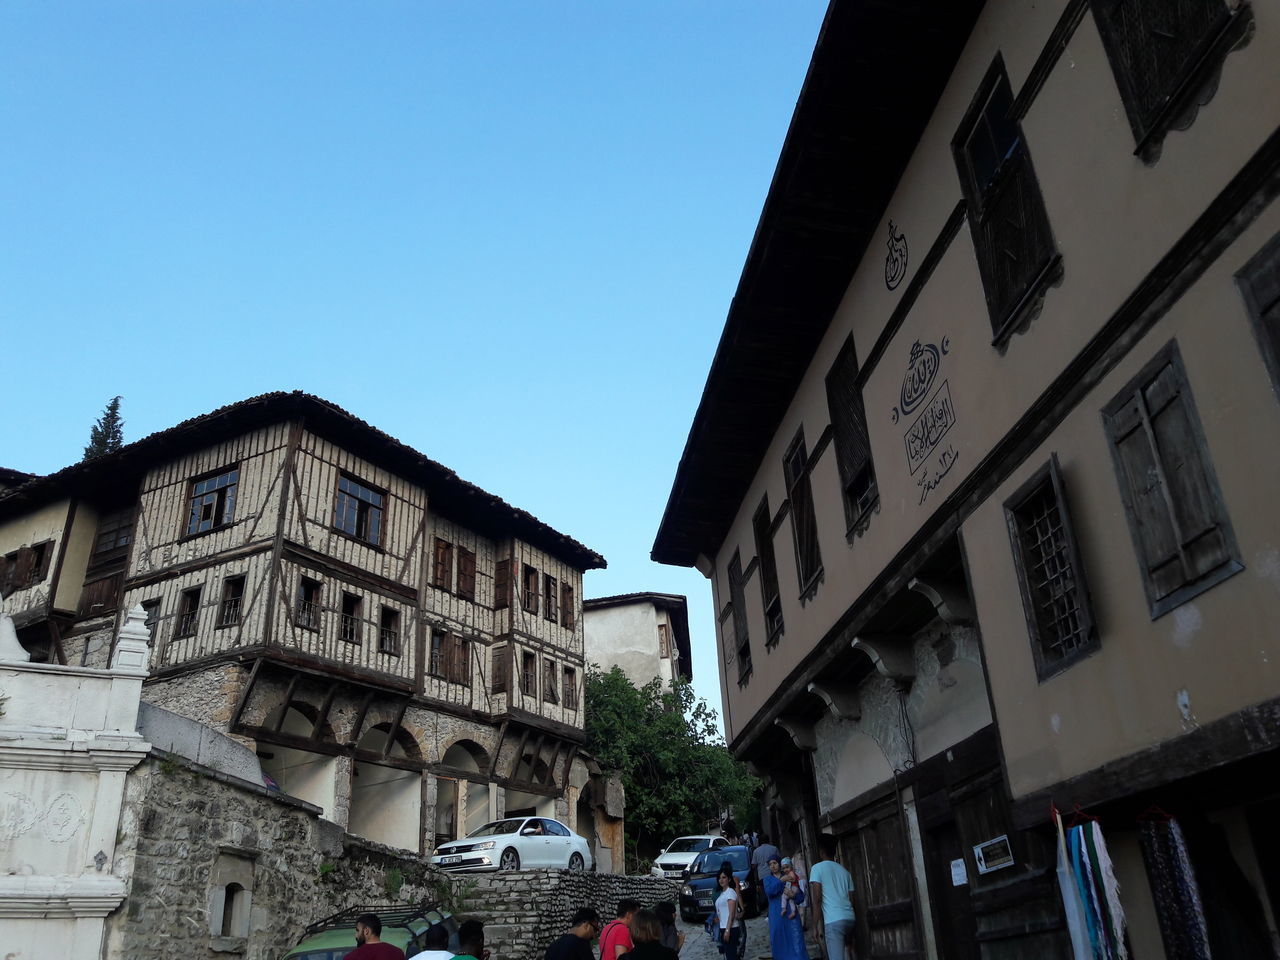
<point>386,801</point>
<point>404,745</point>
<point>465,754</point>
<point>301,773</point>
<point>299,719</point>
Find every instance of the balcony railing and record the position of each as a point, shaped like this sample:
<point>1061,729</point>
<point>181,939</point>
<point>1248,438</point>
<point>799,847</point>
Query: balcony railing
<point>350,628</point>
<point>186,624</point>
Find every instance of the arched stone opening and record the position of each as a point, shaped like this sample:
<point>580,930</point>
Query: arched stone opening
<point>463,804</point>
<point>386,801</point>
<point>299,773</point>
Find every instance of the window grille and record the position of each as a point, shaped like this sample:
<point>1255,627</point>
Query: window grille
<point>232,599</point>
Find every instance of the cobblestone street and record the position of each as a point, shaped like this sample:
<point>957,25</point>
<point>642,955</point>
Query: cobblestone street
<point>698,946</point>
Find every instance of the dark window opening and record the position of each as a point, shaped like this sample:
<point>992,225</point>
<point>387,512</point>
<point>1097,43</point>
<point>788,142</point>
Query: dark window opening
<point>152,610</point>
<point>570,688</point>
<point>389,631</point>
<point>1055,595</point>
<point>1260,283</point>
<point>528,674</point>
<point>1016,254</point>
<point>804,524</point>
<point>466,573</point>
<point>530,599</point>
<point>1177,518</point>
<point>358,510</point>
<point>850,437</point>
<point>502,584</point>
<point>188,613</point>
<point>442,565</point>
<point>307,615</point>
<point>351,612</point>
<point>549,598</point>
<point>232,599</point>
<point>115,533</point>
<point>568,615</point>
<point>738,603</point>
<point>213,501</point>
<point>767,571</point>
<point>550,681</point>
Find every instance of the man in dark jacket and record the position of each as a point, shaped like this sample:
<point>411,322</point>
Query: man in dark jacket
<point>576,944</point>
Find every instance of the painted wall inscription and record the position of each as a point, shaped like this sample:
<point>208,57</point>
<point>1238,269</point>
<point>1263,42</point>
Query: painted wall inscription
<point>935,421</point>
<point>930,455</point>
<point>895,261</point>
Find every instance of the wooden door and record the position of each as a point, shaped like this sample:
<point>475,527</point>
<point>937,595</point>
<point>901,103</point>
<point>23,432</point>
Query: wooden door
<point>949,887</point>
<point>877,856</point>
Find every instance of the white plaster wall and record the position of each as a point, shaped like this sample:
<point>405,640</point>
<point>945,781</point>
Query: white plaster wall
<point>625,636</point>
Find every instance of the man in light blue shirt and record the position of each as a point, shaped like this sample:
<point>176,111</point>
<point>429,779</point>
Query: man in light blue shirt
<point>831,893</point>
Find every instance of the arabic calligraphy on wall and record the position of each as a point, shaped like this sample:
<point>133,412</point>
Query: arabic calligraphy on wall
<point>930,455</point>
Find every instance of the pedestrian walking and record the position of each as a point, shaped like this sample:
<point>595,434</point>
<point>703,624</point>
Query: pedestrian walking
<point>615,938</point>
<point>786,934</point>
<point>729,915</point>
<point>831,893</point>
<point>369,945</point>
<point>646,931</point>
<point>765,852</point>
<point>576,944</point>
<point>435,944</point>
<point>671,937</point>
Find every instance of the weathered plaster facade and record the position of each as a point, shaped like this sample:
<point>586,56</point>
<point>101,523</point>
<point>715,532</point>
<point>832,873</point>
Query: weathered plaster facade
<point>646,635</point>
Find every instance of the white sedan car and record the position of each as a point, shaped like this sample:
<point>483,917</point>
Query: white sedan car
<point>680,854</point>
<point>515,843</point>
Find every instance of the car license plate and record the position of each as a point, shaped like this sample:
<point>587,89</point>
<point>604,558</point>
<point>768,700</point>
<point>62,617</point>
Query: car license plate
<point>704,901</point>
<point>444,860</point>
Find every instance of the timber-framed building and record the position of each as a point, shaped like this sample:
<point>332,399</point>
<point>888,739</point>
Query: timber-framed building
<point>401,649</point>
<point>984,472</point>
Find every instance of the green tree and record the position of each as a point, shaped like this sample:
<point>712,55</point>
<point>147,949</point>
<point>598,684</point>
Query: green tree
<point>107,435</point>
<point>676,770</point>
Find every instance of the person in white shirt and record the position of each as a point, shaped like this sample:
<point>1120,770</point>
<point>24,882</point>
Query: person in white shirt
<point>437,945</point>
<point>729,914</point>
<point>831,894</point>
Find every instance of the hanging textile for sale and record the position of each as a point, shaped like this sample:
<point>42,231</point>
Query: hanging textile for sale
<point>1175,891</point>
<point>1090,893</point>
<point>1071,904</point>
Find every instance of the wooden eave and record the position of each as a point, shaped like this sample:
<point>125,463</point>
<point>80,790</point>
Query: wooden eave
<point>877,72</point>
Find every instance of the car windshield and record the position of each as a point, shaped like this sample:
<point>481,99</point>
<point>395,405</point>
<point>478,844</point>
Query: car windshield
<point>710,861</point>
<point>497,828</point>
<point>688,845</point>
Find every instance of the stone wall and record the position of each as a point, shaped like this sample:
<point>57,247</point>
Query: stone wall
<point>524,910</point>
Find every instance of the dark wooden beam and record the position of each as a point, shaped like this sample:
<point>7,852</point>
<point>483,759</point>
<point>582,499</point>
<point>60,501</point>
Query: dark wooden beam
<point>325,706</point>
<point>395,728</point>
<point>359,724</point>
<point>288,699</point>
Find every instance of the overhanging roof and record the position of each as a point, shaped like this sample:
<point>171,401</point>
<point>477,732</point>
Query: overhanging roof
<point>877,72</point>
<point>116,475</point>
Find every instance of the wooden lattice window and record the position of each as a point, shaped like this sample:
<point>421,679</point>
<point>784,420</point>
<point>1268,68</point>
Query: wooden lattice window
<point>550,597</point>
<point>212,504</point>
<point>804,523</point>
<point>1055,594</point>
<point>442,565</point>
<point>1016,254</point>
<point>307,612</point>
<point>115,533</point>
<point>501,668</point>
<point>568,612</point>
<point>1177,518</point>
<point>550,680</point>
<point>738,603</point>
<point>1260,283</point>
<point>1164,53</point>
<point>352,612</point>
<point>850,438</point>
<point>466,573</point>
<point>188,613</point>
<point>229,610</point>
<point>530,582</point>
<point>389,631</point>
<point>570,687</point>
<point>767,571</point>
<point>502,584</point>
<point>358,510</point>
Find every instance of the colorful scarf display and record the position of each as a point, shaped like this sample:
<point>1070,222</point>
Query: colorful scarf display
<point>1090,893</point>
<point>1175,891</point>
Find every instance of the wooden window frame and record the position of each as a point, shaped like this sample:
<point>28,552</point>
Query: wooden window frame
<point>738,606</point>
<point>113,523</point>
<point>231,607</point>
<point>767,573</point>
<point>528,673</point>
<point>550,680</point>
<point>800,497</point>
<point>568,613</point>
<point>852,440</point>
<point>466,587</point>
<point>1170,356</point>
<point>367,512</point>
<point>442,564</point>
<point>307,610</point>
<point>1039,616</point>
<point>226,499</point>
<point>529,597</point>
<point>1176,98</point>
<point>351,623</point>
<point>389,631</point>
<point>187,623</point>
<point>569,681</point>
<point>437,650</point>
<point>25,567</point>
<point>1259,282</point>
<point>501,668</point>
<point>1013,183</point>
<point>151,618</point>
<point>502,584</point>
<point>550,598</point>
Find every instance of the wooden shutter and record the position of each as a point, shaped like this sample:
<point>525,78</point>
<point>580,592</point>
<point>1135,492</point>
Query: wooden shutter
<point>804,523</point>
<point>466,573</point>
<point>1260,284</point>
<point>442,565</point>
<point>502,584</point>
<point>501,668</point>
<point>459,669</point>
<point>762,528</point>
<point>848,422</point>
<point>1176,515</point>
<point>549,596</point>
<point>738,602</point>
<point>24,573</point>
<point>567,611</point>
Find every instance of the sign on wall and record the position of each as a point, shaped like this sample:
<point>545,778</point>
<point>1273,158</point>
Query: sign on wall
<point>926,405</point>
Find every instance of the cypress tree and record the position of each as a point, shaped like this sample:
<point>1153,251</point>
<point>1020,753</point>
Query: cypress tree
<point>107,435</point>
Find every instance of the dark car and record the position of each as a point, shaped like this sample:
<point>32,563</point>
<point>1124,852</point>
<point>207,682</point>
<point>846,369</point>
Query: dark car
<point>700,889</point>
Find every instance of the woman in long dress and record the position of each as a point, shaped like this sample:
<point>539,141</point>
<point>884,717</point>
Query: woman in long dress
<point>786,933</point>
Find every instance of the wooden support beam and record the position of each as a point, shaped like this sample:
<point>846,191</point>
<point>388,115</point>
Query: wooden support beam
<point>288,699</point>
<point>950,600</point>
<point>524,737</point>
<point>359,724</point>
<point>497,751</point>
<point>395,728</point>
<point>801,733</point>
<point>323,715</point>
<point>550,779</point>
<point>841,699</point>
<point>890,654</point>
<point>243,701</point>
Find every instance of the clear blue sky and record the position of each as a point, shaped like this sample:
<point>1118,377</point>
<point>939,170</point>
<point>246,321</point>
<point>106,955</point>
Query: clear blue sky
<point>506,233</point>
